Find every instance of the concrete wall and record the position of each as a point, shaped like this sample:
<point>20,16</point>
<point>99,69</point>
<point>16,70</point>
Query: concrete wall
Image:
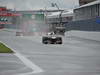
<point>84,25</point>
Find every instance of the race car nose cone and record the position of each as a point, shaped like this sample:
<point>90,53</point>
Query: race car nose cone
<point>53,37</point>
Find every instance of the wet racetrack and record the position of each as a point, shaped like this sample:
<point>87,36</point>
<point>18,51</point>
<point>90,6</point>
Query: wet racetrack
<point>76,56</point>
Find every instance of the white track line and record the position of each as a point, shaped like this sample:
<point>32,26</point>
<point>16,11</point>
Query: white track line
<point>27,62</point>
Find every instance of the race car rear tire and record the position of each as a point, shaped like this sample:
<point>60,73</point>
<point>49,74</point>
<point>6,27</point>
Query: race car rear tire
<point>45,40</point>
<point>60,43</point>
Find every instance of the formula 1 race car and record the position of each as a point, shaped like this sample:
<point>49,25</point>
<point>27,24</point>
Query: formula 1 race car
<point>52,39</point>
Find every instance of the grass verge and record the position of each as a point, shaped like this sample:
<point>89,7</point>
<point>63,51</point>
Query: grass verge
<point>5,49</point>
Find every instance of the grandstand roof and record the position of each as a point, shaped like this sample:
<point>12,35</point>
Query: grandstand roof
<point>89,4</point>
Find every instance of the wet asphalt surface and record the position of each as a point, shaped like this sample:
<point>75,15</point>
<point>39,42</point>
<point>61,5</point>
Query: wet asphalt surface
<point>74,57</point>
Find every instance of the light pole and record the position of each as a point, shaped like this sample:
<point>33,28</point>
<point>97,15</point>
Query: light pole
<point>55,4</point>
<point>61,11</point>
<point>61,28</point>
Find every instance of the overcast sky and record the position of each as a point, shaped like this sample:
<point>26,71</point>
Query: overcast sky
<point>38,4</point>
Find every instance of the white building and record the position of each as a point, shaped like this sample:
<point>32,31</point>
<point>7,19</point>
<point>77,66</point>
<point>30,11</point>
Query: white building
<point>87,11</point>
<point>66,16</point>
